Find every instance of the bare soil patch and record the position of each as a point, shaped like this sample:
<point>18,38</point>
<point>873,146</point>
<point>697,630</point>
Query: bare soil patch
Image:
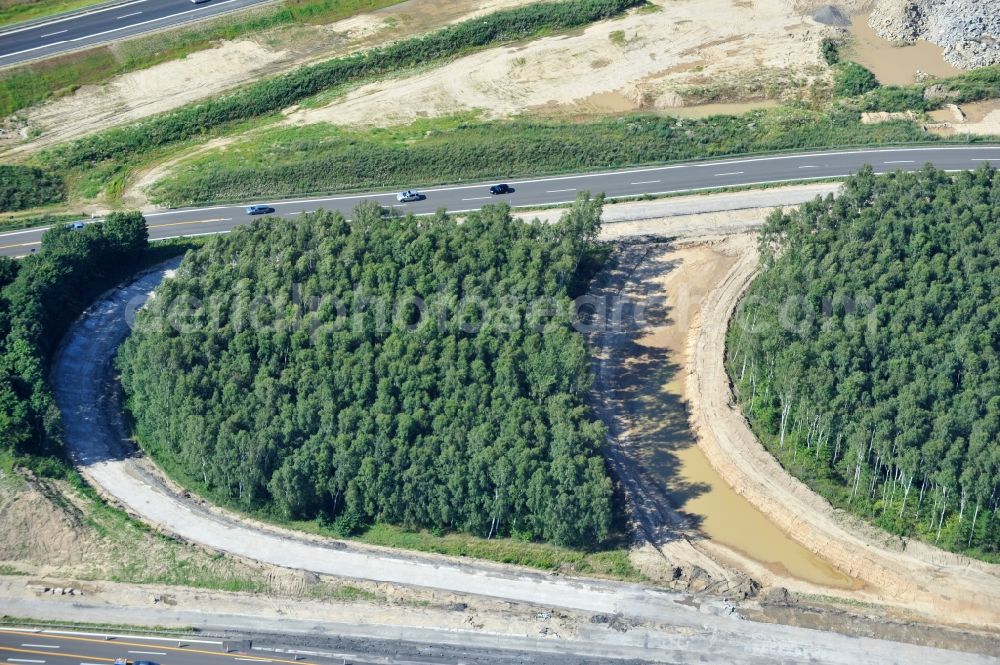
<point>646,60</point>
<point>977,118</point>
<point>230,64</point>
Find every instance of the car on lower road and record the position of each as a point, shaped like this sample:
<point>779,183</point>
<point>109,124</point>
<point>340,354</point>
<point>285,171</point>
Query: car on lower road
<point>76,226</point>
<point>259,209</point>
<point>409,195</point>
<point>501,189</point>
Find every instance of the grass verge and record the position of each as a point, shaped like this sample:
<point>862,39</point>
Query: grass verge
<point>321,158</point>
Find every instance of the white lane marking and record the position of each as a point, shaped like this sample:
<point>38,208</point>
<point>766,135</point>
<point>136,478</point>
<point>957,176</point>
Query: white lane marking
<point>23,660</point>
<point>53,34</point>
<point>478,198</point>
<point>807,166</point>
<point>33,48</point>
<point>22,244</point>
<point>556,191</point>
<point>153,20</point>
<point>194,221</point>
<point>256,660</point>
<point>718,175</point>
<point>122,635</point>
<point>150,653</point>
<point>41,646</point>
<point>127,15</point>
<point>21,233</point>
<point>645,182</point>
<point>901,161</point>
<point>69,18</point>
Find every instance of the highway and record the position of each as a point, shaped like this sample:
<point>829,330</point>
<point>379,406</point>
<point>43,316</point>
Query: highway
<point>655,180</point>
<point>33,646</point>
<point>70,648</point>
<point>105,24</point>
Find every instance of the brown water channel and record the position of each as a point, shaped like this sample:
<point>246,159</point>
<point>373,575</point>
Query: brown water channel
<point>895,65</point>
<point>670,450</point>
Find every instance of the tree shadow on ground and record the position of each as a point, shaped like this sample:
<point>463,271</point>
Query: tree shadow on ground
<point>647,426</point>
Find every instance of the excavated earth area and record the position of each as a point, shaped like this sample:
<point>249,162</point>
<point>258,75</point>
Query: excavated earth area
<point>663,58</point>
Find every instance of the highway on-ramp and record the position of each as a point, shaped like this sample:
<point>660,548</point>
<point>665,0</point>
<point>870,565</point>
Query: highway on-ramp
<point>104,24</point>
<point>653,180</point>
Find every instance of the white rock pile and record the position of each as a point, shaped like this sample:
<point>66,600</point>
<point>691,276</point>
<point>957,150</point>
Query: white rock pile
<point>968,30</point>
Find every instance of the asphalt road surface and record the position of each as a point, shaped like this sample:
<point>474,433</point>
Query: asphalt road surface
<point>562,189</point>
<point>64,648</point>
<point>106,24</point>
<point>29,646</point>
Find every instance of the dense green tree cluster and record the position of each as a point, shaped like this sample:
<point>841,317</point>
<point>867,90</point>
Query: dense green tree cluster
<point>867,352</point>
<point>40,296</point>
<point>289,366</point>
<point>26,187</point>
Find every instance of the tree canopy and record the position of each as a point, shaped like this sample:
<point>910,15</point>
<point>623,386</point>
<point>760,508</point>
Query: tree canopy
<point>40,296</point>
<point>867,353</point>
<point>387,369</point>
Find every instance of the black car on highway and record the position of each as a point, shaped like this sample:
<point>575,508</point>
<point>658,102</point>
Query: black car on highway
<point>259,210</point>
<point>500,189</point>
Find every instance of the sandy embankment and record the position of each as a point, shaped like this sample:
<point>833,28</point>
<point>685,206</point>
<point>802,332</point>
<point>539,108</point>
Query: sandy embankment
<point>215,70</point>
<point>918,577</point>
<point>646,60</point>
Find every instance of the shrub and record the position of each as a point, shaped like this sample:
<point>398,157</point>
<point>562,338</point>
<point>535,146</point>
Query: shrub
<point>852,80</point>
<point>26,187</point>
<point>830,50</point>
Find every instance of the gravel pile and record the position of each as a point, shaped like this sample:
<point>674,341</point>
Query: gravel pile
<point>968,30</point>
<point>831,15</point>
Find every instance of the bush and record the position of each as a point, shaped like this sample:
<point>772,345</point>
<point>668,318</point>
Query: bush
<point>852,80</point>
<point>830,50</point>
<point>895,99</point>
<point>26,187</point>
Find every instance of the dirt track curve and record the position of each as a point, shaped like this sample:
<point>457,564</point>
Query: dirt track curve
<point>922,578</point>
<point>692,628</point>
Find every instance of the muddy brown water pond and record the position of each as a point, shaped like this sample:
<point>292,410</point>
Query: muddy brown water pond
<point>895,65</point>
<point>670,450</point>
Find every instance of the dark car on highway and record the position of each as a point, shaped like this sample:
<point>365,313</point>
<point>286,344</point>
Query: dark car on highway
<point>259,209</point>
<point>500,189</point>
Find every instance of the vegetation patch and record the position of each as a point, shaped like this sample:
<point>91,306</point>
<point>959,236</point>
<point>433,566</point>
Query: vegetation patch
<point>421,373</point>
<point>40,296</point>
<point>322,158</point>
<point>24,187</point>
<point>851,80</point>
<point>867,353</point>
